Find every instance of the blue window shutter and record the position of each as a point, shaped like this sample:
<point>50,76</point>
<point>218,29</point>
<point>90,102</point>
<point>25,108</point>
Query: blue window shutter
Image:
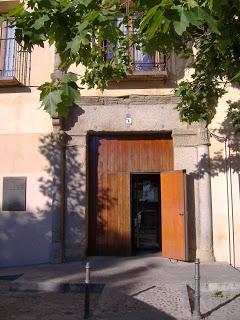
<point>9,63</point>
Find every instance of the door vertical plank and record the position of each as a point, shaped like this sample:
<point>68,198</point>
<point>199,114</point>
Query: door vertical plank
<point>127,215</point>
<point>174,215</point>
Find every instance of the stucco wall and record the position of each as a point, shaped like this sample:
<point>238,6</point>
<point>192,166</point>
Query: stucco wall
<point>25,237</point>
<point>225,171</point>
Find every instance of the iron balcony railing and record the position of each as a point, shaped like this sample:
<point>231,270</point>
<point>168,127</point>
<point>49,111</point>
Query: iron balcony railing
<point>15,62</point>
<point>139,61</point>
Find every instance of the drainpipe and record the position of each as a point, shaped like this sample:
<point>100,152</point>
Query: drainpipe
<point>63,138</point>
<point>59,183</point>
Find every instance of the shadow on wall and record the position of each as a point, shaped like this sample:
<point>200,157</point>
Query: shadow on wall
<point>191,218</point>
<point>25,237</point>
<point>225,162</point>
<point>221,162</point>
<point>75,198</point>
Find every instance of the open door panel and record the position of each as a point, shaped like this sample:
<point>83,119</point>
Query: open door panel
<point>174,215</point>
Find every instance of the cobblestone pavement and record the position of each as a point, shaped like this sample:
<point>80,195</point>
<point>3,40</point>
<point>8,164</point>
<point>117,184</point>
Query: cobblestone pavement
<point>42,306</point>
<point>166,303</point>
<point>147,302</point>
<point>221,305</point>
<point>136,288</point>
<point>150,303</point>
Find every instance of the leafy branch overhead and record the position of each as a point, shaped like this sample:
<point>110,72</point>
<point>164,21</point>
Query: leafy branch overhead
<point>78,28</point>
<point>58,96</point>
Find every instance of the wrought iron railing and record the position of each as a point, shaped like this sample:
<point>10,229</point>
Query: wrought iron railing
<point>15,62</point>
<point>140,62</point>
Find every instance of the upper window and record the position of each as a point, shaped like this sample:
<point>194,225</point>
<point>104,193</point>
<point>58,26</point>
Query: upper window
<point>141,64</point>
<point>14,61</point>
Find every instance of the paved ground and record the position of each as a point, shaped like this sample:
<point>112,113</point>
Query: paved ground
<point>151,302</point>
<point>225,306</point>
<point>141,288</point>
<point>42,306</point>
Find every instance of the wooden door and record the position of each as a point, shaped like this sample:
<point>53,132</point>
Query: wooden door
<point>112,159</point>
<point>113,220</point>
<point>174,215</point>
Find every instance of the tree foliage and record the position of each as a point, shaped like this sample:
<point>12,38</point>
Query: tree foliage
<point>78,28</point>
<point>212,29</point>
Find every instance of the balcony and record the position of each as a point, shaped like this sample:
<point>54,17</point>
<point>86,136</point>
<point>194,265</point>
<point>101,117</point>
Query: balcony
<point>6,5</point>
<point>142,66</point>
<point>14,61</point>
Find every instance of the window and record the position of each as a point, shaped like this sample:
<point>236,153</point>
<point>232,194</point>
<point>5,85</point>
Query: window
<point>14,61</point>
<point>141,64</point>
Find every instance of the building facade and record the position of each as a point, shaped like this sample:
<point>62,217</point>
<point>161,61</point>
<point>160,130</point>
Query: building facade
<point>120,176</point>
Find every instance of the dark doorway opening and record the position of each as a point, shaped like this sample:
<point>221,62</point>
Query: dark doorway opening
<point>146,212</point>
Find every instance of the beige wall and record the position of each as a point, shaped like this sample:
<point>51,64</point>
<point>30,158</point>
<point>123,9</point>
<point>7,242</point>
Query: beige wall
<point>25,237</point>
<point>225,169</point>
<point>42,65</point>
<point>20,110</point>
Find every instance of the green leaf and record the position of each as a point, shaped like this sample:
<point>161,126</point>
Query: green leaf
<point>236,78</point>
<point>63,109</point>
<point>149,16</point>
<point>70,94</point>
<point>181,25</point>
<point>51,101</point>
<point>70,77</point>
<point>86,3</point>
<point>39,23</point>
<point>156,22</point>
<point>82,26</point>
<point>193,17</point>
<point>92,16</point>
<point>212,22</point>
<point>191,3</point>
<point>74,45</point>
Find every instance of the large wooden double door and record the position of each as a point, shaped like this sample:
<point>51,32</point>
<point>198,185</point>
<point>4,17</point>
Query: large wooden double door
<point>112,159</point>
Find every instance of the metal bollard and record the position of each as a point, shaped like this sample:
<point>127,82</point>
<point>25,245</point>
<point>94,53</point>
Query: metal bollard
<point>196,311</point>
<point>87,293</point>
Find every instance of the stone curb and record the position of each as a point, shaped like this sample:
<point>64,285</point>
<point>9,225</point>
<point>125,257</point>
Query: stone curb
<point>32,286</point>
<point>220,286</point>
<point>225,286</point>
<point>53,286</point>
